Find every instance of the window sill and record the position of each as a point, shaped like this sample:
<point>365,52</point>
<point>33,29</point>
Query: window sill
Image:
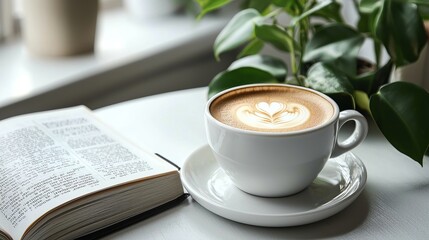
<point>128,53</point>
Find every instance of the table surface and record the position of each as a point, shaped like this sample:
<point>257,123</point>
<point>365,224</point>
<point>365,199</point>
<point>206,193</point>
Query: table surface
<point>393,205</point>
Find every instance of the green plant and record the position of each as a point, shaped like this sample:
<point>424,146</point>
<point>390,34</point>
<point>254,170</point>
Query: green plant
<point>323,54</point>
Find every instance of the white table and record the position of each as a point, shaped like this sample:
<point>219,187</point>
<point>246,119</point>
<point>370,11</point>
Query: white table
<point>393,205</point>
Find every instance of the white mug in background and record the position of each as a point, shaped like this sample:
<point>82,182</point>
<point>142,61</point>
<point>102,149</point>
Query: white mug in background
<point>277,162</point>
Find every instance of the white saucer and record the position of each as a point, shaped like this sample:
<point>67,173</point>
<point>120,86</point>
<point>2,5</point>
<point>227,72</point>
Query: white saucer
<point>340,182</point>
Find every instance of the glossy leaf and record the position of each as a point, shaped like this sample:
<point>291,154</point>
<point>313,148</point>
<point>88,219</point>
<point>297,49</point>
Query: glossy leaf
<point>259,5</point>
<point>344,100</point>
<point>420,2</point>
<point>325,78</point>
<point>363,82</point>
<point>367,22</point>
<point>274,35</point>
<point>253,47</point>
<point>317,7</point>
<point>272,65</point>
<point>238,77</point>
<point>401,111</point>
<point>424,12</point>
<point>283,3</point>
<point>237,32</point>
<point>369,12</point>
<point>371,81</point>
<point>369,6</point>
<point>210,5</point>
<point>293,8</point>
<point>332,12</point>
<point>400,29</point>
<point>335,43</point>
<point>382,77</point>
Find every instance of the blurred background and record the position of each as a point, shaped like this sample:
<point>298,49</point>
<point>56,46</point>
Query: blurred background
<point>59,53</point>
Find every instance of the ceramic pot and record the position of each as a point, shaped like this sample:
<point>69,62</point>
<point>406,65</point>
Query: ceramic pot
<point>60,27</point>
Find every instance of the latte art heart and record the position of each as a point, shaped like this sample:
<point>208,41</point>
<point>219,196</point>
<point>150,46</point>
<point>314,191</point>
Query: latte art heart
<point>270,109</point>
<point>273,115</point>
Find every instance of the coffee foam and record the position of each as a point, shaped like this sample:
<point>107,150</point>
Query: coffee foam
<point>271,109</point>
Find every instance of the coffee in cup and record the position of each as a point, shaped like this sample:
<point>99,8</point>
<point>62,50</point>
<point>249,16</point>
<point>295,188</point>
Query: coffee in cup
<point>273,140</point>
<point>271,109</point>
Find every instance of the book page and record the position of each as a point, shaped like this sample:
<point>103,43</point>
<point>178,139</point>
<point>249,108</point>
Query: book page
<point>50,158</point>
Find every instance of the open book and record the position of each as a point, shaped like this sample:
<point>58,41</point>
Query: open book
<point>64,175</point>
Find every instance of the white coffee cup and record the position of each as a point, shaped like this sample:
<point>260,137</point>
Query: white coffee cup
<point>275,164</point>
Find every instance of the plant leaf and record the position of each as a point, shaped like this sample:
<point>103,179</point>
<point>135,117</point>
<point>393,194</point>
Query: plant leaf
<point>369,6</point>
<point>259,5</point>
<point>344,100</point>
<point>370,82</point>
<point>400,29</point>
<point>210,5</point>
<point>401,111</point>
<point>420,2</point>
<point>367,21</point>
<point>325,78</point>
<point>253,47</point>
<point>363,82</point>
<point>331,12</point>
<point>336,43</point>
<point>369,12</point>
<point>293,8</point>
<point>276,67</point>
<point>424,12</point>
<point>362,101</point>
<point>274,35</point>
<point>317,7</point>
<point>238,31</point>
<point>238,77</point>
<point>382,77</point>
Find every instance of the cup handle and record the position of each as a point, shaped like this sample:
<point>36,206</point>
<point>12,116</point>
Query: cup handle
<point>358,135</point>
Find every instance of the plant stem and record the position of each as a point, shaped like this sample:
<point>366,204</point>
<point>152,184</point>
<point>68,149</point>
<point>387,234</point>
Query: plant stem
<point>377,52</point>
<point>303,38</point>
<point>293,62</point>
<point>274,13</point>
